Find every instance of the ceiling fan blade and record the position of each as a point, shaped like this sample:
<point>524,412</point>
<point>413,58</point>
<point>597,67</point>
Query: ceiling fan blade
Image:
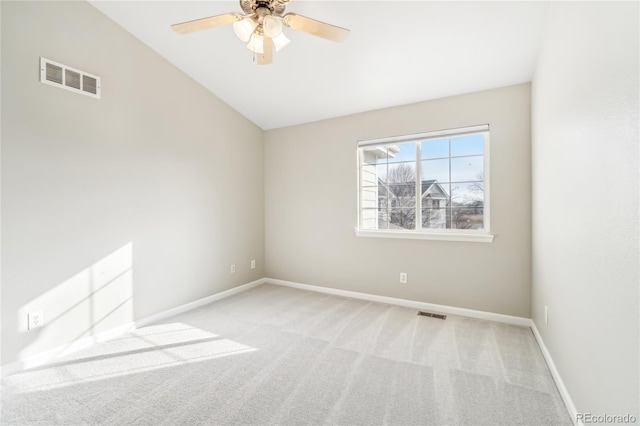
<point>204,23</point>
<point>267,57</point>
<point>317,28</point>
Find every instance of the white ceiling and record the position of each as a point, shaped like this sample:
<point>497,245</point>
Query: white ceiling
<point>397,53</point>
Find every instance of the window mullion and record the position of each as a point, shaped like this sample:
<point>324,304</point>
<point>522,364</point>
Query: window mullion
<point>387,208</point>
<point>450,210</point>
<point>418,187</point>
<point>360,198</point>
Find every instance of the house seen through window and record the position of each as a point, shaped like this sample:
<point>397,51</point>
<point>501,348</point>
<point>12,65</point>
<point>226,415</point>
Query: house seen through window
<point>432,182</point>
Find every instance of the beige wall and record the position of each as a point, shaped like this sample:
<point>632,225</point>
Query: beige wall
<point>119,208</point>
<point>310,215</point>
<point>585,202</point>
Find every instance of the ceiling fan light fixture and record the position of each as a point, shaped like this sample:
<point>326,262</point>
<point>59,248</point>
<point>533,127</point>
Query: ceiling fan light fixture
<point>272,26</point>
<point>256,43</point>
<point>261,27</point>
<point>280,41</point>
<point>244,28</point>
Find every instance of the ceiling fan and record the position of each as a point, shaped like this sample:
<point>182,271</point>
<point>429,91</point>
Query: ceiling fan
<point>261,26</point>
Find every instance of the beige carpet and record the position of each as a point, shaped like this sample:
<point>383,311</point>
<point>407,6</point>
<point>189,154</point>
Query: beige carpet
<point>276,355</point>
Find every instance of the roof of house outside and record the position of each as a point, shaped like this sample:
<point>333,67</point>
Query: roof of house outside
<point>426,187</point>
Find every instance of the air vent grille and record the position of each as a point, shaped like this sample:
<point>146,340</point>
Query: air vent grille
<point>68,78</point>
<point>89,84</point>
<point>54,73</point>
<point>432,315</point>
<point>72,79</point>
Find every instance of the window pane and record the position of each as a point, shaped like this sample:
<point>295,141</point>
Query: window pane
<point>371,174</point>
<point>374,155</point>
<point>383,219</point>
<point>467,169</point>
<point>382,197</point>
<point>369,197</point>
<point>401,173</point>
<point>402,218</point>
<point>368,175</point>
<point>402,152</point>
<point>431,203</point>
<point>467,218</point>
<point>434,194</point>
<point>434,218</point>
<point>437,170</point>
<point>369,218</point>
<point>387,219</point>
<point>402,196</point>
<point>438,148</point>
<point>381,173</point>
<point>467,145</point>
<point>467,194</point>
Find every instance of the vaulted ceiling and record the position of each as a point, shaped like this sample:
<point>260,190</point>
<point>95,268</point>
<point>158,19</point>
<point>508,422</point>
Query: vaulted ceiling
<point>397,53</point>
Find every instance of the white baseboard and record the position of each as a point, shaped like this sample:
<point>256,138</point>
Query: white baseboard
<point>196,303</point>
<point>423,306</point>
<point>564,393</point>
<point>48,356</point>
<point>507,319</point>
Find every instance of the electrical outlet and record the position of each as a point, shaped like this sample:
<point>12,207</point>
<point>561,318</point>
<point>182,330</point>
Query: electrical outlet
<point>546,314</point>
<point>233,268</point>
<point>403,277</point>
<point>35,320</point>
<point>253,264</point>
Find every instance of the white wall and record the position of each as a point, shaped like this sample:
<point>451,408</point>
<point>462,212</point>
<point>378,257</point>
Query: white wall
<point>310,214</point>
<point>585,202</point>
<point>119,208</point>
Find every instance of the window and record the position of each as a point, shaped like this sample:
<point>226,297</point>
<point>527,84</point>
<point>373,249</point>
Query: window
<point>431,185</point>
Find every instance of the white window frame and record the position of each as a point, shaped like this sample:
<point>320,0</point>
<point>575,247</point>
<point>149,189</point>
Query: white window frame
<point>464,235</point>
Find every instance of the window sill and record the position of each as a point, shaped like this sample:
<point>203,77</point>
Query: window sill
<point>436,236</point>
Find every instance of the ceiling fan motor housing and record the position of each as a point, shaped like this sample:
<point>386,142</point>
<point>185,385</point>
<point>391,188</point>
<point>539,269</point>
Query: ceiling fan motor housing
<point>275,7</point>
